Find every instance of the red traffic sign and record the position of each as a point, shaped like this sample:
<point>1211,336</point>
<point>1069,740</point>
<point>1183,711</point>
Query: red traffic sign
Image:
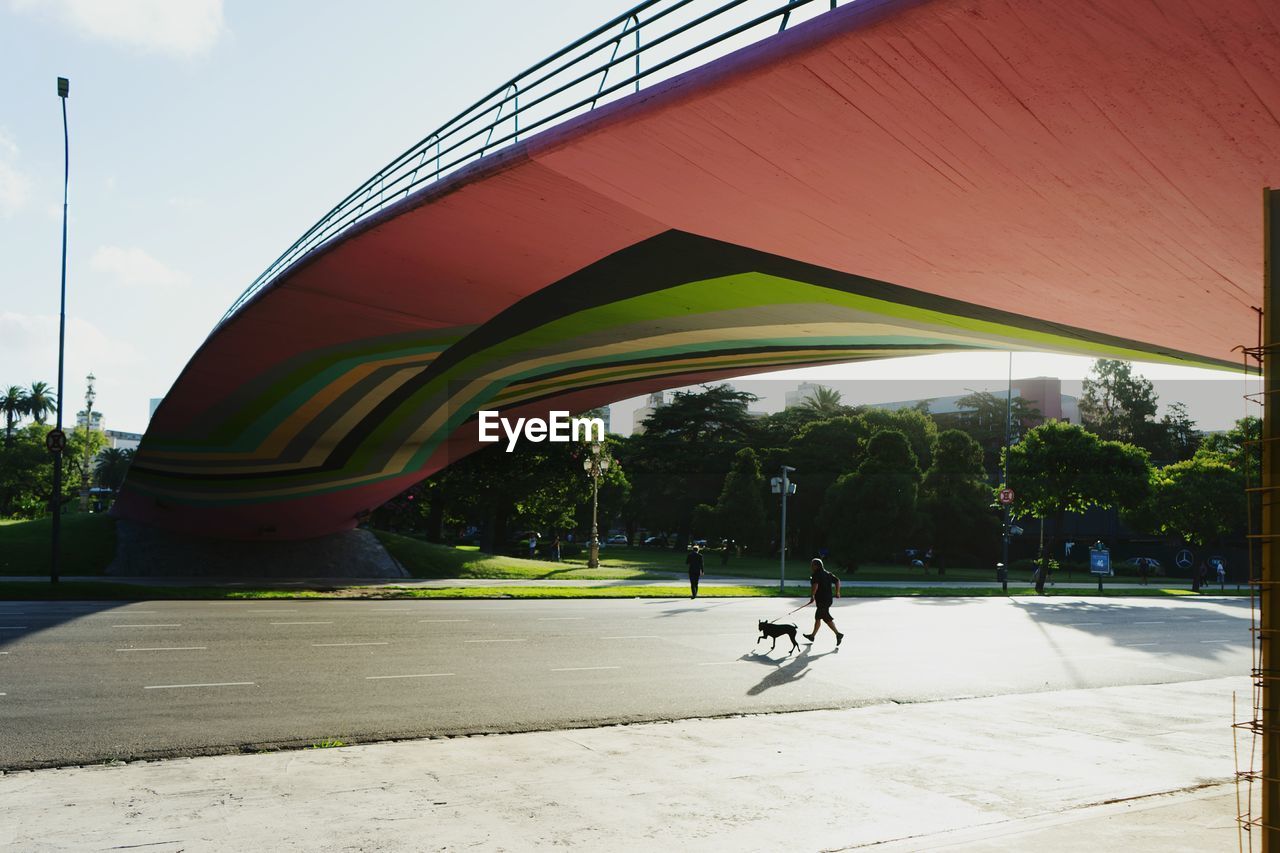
<point>1006,496</point>
<point>56,441</point>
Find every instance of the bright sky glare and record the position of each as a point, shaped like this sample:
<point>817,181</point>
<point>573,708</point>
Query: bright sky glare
<point>205,137</point>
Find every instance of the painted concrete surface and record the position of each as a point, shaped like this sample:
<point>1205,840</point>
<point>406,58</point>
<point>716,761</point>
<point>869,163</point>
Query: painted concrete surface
<point>1133,768</point>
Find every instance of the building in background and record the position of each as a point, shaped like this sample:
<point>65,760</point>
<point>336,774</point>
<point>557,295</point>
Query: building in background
<point>804,392</point>
<point>122,440</point>
<point>1042,393</point>
<point>652,403</point>
<point>96,423</point>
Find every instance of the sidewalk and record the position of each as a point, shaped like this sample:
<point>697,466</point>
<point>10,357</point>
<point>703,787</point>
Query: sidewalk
<point>1144,768</point>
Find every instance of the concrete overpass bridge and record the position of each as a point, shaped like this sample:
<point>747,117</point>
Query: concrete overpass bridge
<point>697,191</point>
<point>887,177</point>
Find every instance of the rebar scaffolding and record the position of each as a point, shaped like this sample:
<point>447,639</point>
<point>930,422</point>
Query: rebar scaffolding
<point>1261,484</point>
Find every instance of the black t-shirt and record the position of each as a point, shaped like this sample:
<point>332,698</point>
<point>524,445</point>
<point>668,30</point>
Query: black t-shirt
<point>826,585</point>
<point>695,562</point>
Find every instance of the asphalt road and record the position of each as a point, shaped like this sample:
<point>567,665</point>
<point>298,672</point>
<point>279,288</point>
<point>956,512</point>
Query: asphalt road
<point>85,682</point>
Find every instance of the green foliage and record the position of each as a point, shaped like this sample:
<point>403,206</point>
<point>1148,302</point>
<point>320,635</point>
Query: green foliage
<point>918,427</point>
<point>982,418</point>
<point>871,512</point>
<point>1061,468</point>
<point>113,463</point>
<point>740,509</point>
<point>821,451</point>
<point>825,402</point>
<point>681,459</point>
<point>1118,405</point>
<point>956,501</point>
<point>26,474</point>
<point>1199,500</point>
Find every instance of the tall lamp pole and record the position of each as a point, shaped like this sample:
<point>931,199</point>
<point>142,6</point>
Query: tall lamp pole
<point>90,395</point>
<point>64,89</point>
<point>595,464</point>
<point>784,485</point>
<point>1004,464</point>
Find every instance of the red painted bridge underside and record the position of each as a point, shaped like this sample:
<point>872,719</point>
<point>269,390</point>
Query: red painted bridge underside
<point>1095,163</point>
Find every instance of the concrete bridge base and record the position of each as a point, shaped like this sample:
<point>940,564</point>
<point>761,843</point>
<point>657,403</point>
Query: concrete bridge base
<point>145,551</point>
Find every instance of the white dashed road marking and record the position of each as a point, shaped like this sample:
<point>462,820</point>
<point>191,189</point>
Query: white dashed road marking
<point>635,637</point>
<point>444,620</point>
<point>301,623</point>
<point>582,668</point>
<point>420,675</point>
<point>215,684</point>
<point>496,641</point>
<point>168,649</point>
<point>332,645</point>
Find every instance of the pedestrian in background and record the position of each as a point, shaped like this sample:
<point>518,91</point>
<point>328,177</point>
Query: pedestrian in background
<point>694,562</point>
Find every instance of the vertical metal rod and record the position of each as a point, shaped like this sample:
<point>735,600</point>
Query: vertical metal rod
<point>54,567</point>
<point>1004,460</point>
<point>636,19</point>
<point>1268,593</point>
<point>782,568</point>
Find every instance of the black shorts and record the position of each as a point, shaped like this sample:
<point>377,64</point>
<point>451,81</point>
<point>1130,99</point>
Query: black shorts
<point>822,610</point>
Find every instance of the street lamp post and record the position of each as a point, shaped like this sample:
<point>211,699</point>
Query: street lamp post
<point>784,485</point>
<point>90,395</point>
<point>64,89</point>
<point>1004,465</point>
<point>595,464</point>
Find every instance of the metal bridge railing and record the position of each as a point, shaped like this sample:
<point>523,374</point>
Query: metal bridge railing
<point>651,42</point>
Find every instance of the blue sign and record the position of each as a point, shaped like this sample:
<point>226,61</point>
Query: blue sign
<point>1100,562</point>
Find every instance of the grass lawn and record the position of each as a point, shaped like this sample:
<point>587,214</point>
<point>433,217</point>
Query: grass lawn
<point>88,544</point>
<point>428,560</point>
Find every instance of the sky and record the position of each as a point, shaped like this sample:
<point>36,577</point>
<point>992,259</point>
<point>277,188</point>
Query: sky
<point>206,136</point>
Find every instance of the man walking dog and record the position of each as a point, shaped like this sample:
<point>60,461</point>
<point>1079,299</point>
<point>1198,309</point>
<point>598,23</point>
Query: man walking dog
<point>825,589</point>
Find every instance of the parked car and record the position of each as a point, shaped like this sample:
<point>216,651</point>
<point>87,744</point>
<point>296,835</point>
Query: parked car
<point>654,542</point>
<point>617,539</point>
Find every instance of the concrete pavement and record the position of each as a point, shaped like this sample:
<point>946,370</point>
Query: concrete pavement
<point>1138,768</point>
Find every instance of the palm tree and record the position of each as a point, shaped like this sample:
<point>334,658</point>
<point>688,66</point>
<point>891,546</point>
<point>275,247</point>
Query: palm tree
<point>113,464</point>
<point>41,401</point>
<point>824,401</point>
<point>14,403</point>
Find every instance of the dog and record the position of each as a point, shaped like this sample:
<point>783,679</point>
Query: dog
<point>769,629</point>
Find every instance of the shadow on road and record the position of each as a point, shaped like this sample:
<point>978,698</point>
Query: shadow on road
<point>787,670</point>
<point>20,619</point>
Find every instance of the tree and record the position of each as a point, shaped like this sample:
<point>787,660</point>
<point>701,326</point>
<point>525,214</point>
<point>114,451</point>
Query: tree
<point>740,510</point>
<point>41,401</point>
<point>825,402</point>
<point>1059,468</point>
<point>918,427</point>
<point>687,448</point>
<point>821,452</point>
<point>1117,404</point>
<point>1176,437</point>
<point>871,512</point>
<point>14,402</point>
<point>1198,500</point>
<point>956,500</point>
<point>982,418</point>
<point>26,474</point>
<point>113,464</point>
